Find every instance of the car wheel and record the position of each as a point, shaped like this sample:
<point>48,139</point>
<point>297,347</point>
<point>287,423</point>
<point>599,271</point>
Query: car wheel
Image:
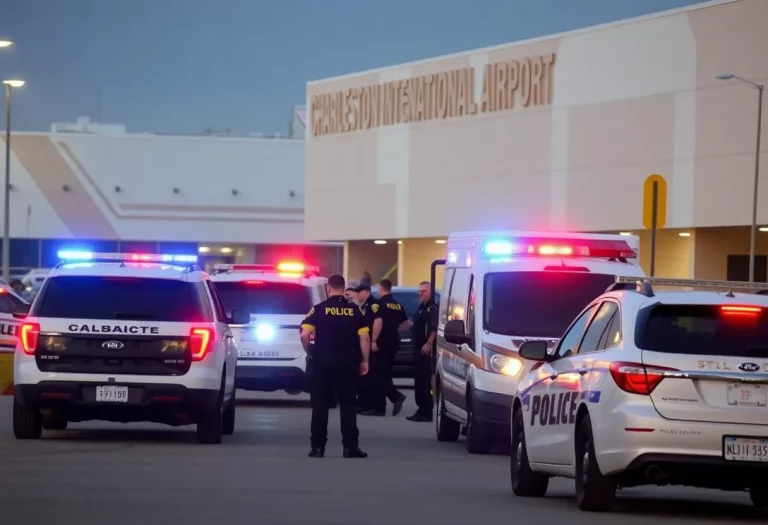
<point>210,423</point>
<point>759,496</point>
<point>594,492</point>
<point>477,439</point>
<point>54,424</point>
<point>446,428</point>
<point>27,421</point>
<point>229,417</point>
<point>525,482</point>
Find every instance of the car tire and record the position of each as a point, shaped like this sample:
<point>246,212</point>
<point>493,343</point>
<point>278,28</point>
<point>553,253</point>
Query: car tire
<point>27,422</point>
<point>478,441</point>
<point>210,423</point>
<point>594,491</point>
<point>55,424</point>
<point>228,425</point>
<point>759,496</point>
<point>525,482</point>
<point>446,428</point>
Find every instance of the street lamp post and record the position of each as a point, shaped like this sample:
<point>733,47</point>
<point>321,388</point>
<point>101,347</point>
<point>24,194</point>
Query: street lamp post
<point>9,84</point>
<point>753,233</point>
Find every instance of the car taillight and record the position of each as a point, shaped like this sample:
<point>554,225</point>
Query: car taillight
<point>637,378</point>
<point>29,333</point>
<point>200,342</point>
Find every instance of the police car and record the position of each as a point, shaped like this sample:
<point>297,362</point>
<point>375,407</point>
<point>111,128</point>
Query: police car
<point>501,289</point>
<point>9,331</point>
<point>649,387</point>
<point>277,297</point>
<point>126,338</point>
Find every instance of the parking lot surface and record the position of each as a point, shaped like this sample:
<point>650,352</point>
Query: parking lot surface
<point>146,474</point>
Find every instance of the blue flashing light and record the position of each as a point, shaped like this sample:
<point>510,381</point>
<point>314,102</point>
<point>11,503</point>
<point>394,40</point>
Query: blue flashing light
<point>499,248</point>
<point>74,255</point>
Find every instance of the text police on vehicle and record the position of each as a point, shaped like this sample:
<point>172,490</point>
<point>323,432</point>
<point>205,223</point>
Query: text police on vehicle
<point>648,387</point>
<point>126,337</point>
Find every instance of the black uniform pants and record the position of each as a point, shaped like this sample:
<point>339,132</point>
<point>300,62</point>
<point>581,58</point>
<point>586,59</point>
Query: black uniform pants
<point>422,382</point>
<point>382,387</point>
<point>340,381</point>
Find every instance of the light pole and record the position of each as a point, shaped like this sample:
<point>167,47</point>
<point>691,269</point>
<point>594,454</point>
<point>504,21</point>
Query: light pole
<point>753,233</point>
<point>9,84</point>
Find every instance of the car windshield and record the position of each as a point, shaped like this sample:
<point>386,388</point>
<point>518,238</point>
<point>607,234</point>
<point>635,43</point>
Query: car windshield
<point>409,299</point>
<point>123,298</point>
<point>705,330</point>
<point>538,304</point>
<point>264,297</point>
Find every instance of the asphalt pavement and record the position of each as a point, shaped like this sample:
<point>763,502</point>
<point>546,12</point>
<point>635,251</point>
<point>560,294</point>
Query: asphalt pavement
<point>147,474</point>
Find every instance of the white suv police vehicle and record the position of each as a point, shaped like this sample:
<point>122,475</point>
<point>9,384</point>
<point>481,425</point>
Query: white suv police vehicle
<point>126,338</point>
<point>277,298</point>
<point>501,289</point>
<point>649,387</point>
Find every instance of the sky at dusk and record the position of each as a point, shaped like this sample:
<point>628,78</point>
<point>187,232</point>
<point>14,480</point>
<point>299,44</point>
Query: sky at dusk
<point>181,66</point>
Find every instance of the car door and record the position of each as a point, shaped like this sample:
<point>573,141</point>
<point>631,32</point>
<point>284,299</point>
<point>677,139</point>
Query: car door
<point>9,330</point>
<point>228,341</point>
<point>574,383</point>
<point>452,363</point>
<point>541,400</point>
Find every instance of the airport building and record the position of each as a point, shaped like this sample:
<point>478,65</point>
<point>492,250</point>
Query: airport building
<point>555,133</point>
<point>97,187</point>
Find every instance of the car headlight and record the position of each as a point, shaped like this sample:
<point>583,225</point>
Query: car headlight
<point>265,332</point>
<point>502,364</point>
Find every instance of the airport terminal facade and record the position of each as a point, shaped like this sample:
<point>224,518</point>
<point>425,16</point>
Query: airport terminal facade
<point>554,133</point>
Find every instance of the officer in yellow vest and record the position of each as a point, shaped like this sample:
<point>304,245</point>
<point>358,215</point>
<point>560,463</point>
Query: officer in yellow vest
<point>340,356</point>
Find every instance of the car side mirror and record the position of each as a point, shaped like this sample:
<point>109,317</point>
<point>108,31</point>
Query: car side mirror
<point>21,311</point>
<point>239,317</point>
<point>455,333</point>
<point>535,351</point>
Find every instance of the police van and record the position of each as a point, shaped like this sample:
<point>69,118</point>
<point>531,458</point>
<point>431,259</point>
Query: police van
<point>277,297</point>
<point>501,289</point>
<point>126,338</point>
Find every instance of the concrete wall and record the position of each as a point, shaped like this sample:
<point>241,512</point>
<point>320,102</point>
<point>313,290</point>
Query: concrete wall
<point>365,256</point>
<point>268,175</point>
<point>595,112</point>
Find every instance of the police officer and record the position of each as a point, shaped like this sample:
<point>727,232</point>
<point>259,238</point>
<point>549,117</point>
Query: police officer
<point>390,319</point>
<point>339,327</point>
<point>369,308</point>
<point>424,331</point>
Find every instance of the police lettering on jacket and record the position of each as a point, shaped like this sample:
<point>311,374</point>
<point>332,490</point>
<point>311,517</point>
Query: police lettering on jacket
<point>554,409</point>
<point>337,324</point>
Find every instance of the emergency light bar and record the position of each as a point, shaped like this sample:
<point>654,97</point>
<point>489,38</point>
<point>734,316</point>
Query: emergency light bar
<point>291,268</point>
<point>644,284</point>
<point>69,255</point>
<point>599,248</point>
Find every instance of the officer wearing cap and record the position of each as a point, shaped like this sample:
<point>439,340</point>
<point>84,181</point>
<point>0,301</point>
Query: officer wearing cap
<point>390,320</point>
<point>340,356</point>
<point>369,308</point>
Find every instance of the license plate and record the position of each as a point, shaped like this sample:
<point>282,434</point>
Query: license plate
<point>746,449</point>
<point>747,395</point>
<point>111,394</point>
<point>258,353</point>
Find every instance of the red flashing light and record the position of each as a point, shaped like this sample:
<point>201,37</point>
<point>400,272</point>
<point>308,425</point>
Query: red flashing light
<point>3,290</point>
<point>254,283</point>
<point>637,378</point>
<point>598,248</point>
<point>29,333</point>
<point>283,268</point>
<point>741,311</point>
<point>200,342</point>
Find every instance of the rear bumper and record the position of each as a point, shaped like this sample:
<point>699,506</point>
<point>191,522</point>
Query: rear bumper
<point>76,401</point>
<point>270,378</point>
<point>694,471</point>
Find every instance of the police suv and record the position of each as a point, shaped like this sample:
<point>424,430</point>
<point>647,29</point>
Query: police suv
<point>649,387</point>
<point>277,297</point>
<point>126,338</point>
<point>501,289</point>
